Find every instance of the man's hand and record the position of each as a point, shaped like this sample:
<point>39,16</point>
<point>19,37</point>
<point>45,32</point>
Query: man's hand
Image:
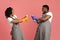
<point>38,21</point>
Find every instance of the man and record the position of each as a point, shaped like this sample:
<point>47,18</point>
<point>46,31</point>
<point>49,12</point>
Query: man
<point>44,29</point>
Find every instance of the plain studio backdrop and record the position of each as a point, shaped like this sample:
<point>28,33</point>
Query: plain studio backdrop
<point>29,7</point>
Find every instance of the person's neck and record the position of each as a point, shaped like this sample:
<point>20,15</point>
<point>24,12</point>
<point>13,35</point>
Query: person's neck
<point>45,12</point>
<point>11,16</point>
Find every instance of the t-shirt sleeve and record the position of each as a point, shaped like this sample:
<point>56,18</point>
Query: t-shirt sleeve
<point>10,19</point>
<point>15,16</point>
<point>49,13</point>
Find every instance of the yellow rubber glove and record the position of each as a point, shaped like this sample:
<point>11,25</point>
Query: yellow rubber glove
<point>25,18</point>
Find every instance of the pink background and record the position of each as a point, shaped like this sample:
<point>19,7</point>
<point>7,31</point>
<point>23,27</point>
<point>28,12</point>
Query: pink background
<point>29,7</point>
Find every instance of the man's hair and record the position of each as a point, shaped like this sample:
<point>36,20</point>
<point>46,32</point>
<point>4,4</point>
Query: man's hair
<point>8,12</point>
<point>46,6</point>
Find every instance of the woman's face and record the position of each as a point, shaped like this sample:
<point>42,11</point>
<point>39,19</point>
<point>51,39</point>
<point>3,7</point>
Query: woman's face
<point>12,14</point>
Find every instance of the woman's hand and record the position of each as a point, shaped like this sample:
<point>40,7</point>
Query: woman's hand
<point>25,18</point>
<point>11,33</point>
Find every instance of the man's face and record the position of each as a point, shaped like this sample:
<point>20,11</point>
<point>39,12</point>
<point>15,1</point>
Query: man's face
<point>44,10</point>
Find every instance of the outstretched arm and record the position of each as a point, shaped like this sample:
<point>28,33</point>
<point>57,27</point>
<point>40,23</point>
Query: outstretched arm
<point>17,21</point>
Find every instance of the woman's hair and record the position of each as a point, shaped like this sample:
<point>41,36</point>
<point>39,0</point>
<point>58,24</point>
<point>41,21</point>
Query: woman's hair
<point>46,6</point>
<point>8,12</point>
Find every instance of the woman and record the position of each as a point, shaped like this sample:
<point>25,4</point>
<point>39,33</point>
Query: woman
<point>14,22</point>
<point>44,29</point>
